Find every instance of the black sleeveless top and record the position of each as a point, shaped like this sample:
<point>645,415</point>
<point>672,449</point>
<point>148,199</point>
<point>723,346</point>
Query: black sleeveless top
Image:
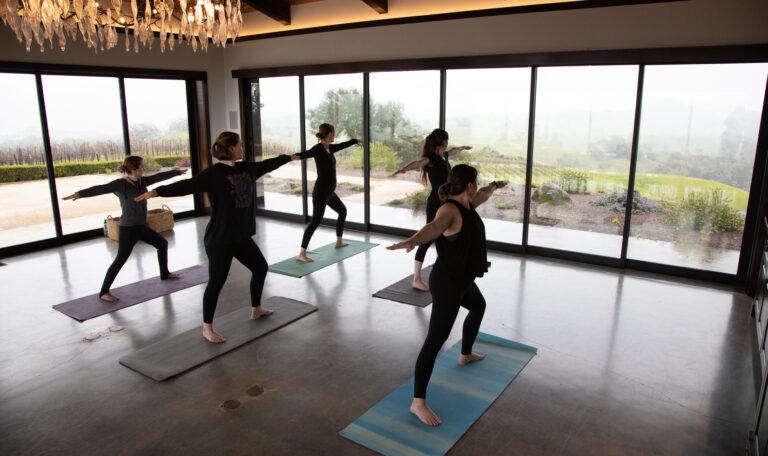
<point>438,172</point>
<point>463,257</point>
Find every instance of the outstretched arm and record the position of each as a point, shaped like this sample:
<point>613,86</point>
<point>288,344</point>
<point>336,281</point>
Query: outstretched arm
<point>265,166</point>
<point>158,177</point>
<point>484,193</point>
<point>333,148</point>
<point>456,150</point>
<point>447,216</point>
<point>195,184</point>
<point>96,190</point>
<point>416,164</point>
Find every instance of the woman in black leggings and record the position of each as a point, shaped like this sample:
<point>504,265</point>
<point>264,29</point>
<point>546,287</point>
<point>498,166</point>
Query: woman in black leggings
<point>133,221</point>
<point>324,192</point>
<point>434,165</point>
<point>461,256</point>
<point>230,187</point>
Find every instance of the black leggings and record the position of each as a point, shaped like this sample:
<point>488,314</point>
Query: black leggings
<point>220,259</point>
<point>433,204</point>
<point>128,236</point>
<point>318,209</point>
<point>447,296</point>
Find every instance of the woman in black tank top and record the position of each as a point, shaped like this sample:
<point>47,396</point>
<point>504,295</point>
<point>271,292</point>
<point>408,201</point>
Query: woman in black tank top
<point>461,256</point>
<point>434,165</point>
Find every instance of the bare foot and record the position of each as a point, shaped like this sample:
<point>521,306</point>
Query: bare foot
<point>424,413</point>
<point>420,285</point>
<point>466,359</point>
<point>172,275</point>
<point>341,243</point>
<point>211,335</point>
<point>257,312</point>
<point>109,298</point>
<point>304,258</point>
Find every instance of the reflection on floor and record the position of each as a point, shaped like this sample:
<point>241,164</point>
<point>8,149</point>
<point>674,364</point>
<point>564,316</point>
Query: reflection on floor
<point>627,364</point>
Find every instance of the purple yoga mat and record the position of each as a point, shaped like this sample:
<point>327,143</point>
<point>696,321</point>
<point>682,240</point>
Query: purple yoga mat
<point>88,307</point>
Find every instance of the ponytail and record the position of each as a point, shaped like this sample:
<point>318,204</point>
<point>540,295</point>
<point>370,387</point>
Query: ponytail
<point>324,130</point>
<point>130,163</point>
<point>431,143</point>
<point>458,180</point>
<point>225,140</point>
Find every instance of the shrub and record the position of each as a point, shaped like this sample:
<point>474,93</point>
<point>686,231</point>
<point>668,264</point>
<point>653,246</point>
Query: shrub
<point>382,158</point>
<point>297,191</point>
<point>617,201</point>
<point>502,205</point>
<point>420,197</point>
<point>183,163</point>
<point>17,173</point>
<point>707,212</point>
<point>573,180</point>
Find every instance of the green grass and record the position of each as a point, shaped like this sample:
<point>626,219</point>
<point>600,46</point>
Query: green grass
<point>660,187</point>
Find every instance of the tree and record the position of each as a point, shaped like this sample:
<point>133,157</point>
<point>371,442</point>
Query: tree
<point>144,132</point>
<point>342,108</point>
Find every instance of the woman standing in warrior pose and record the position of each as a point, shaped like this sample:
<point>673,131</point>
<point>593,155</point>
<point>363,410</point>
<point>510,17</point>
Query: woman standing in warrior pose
<point>133,221</point>
<point>324,192</point>
<point>230,187</point>
<point>461,256</point>
<point>434,165</point>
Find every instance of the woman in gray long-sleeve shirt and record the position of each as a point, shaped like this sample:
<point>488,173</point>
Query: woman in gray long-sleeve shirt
<point>133,221</point>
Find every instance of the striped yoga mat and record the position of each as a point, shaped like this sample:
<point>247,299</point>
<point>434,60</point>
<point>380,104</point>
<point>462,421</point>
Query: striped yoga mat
<point>459,395</point>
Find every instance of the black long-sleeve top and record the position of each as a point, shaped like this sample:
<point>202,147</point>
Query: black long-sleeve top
<point>126,190</point>
<point>326,165</point>
<point>231,193</point>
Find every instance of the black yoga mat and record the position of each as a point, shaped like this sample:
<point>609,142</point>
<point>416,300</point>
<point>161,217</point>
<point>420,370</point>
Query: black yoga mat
<point>180,353</point>
<point>403,291</point>
<point>88,307</point>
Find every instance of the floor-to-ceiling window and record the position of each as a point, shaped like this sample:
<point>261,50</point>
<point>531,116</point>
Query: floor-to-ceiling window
<point>581,155</point>
<point>404,108</point>
<point>696,154</point>
<point>160,136</point>
<point>276,103</point>
<point>83,118</point>
<point>27,214</point>
<point>86,143</point>
<point>569,135</point>
<point>338,100</point>
<point>487,109</point>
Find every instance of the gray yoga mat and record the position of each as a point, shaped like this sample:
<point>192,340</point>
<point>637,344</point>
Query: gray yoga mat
<point>180,353</point>
<point>403,291</point>
<point>88,307</point>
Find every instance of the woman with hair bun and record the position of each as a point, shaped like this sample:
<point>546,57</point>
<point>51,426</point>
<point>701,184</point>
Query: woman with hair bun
<point>230,187</point>
<point>459,235</point>
<point>133,221</point>
<point>324,193</point>
<point>434,165</point>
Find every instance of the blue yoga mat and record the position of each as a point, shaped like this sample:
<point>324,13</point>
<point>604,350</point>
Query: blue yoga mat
<point>457,394</point>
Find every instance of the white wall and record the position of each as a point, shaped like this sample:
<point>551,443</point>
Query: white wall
<point>687,23</point>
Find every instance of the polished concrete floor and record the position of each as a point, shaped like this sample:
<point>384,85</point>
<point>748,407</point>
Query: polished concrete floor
<point>628,364</point>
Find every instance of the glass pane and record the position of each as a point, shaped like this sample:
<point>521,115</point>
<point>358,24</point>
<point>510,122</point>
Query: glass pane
<point>277,130</point>
<point>487,109</point>
<point>338,100</point>
<point>697,146</point>
<point>27,215</point>
<point>405,107</point>
<point>583,138</point>
<point>87,145</point>
<point>161,136</point>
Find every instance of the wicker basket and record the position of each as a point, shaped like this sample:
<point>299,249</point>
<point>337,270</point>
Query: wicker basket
<point>158,219</point>
<point>112,227</point>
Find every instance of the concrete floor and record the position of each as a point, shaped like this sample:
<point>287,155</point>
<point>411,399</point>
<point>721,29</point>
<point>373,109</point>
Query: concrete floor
<point>628,364</point>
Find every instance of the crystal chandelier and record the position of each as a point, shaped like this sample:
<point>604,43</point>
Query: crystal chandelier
<point>98,20</point>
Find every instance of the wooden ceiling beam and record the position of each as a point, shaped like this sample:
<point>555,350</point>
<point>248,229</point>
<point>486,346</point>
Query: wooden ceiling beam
<point>275,9</point>
<point>381,6</point>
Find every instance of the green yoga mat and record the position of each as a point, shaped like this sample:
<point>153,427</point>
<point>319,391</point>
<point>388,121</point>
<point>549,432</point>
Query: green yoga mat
<point>324,256</point>
<point>459,395</point>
